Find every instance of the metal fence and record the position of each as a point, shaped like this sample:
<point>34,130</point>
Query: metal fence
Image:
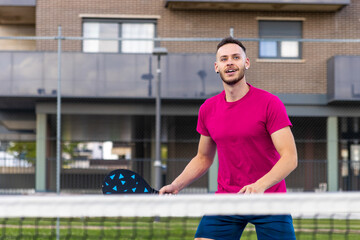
<point>119,140</point>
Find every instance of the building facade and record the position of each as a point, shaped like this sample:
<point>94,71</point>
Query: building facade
<point>306,52</point>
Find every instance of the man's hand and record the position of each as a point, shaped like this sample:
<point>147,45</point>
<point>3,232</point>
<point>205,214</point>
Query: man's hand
<point>252,188</point>
<point>169,189</point>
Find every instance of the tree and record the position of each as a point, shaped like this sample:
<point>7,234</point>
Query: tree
<point>27,150</point>
<point>23,150</point>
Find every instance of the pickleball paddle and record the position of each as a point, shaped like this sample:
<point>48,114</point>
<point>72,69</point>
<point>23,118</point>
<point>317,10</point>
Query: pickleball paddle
<point>124,181</point>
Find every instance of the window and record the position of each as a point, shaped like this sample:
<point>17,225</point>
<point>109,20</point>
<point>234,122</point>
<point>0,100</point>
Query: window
<point>129,29</point>
<point>100,30</point>
<point>286,49</point>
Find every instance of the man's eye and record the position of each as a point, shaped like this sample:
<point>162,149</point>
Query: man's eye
<point>236,57</point>
<point>223,59</point>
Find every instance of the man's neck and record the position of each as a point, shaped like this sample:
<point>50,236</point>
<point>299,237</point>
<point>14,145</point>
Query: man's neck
<point>236,92</point>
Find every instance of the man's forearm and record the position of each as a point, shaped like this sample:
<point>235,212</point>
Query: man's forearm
<point>196,168</point>
<point>280,171</point>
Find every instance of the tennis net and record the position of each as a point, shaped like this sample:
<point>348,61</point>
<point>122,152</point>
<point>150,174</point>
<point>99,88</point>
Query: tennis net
<point>316,215</point>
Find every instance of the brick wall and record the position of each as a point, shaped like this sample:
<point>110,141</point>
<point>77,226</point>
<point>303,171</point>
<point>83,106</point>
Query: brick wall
<point>307,76</point>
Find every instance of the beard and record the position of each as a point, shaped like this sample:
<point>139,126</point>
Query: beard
<point>235,80</point>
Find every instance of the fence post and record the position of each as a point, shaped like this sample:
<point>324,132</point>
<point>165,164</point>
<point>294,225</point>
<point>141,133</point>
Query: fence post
<point>58,114</point>
<point>332,154</point>
<point>40,166</point>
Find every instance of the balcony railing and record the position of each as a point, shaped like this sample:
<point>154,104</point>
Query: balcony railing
<point>343,78</point>
<point>33,74</point>
<point>101,75</point>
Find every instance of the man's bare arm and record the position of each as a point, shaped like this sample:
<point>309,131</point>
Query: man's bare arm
<point>196,167</point>
<point>285,145</point>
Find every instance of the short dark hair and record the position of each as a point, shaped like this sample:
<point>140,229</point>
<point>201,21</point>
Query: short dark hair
<point>230,40</point>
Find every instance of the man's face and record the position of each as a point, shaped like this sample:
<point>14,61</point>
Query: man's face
<point>231,63</point>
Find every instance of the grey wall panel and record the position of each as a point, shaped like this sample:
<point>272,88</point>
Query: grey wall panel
<point>344,78</point>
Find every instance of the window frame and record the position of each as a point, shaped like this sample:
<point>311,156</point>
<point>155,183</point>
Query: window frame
<point>118,21</point>
<point>278,43</point>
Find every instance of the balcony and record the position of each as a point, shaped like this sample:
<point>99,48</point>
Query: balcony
<point>259,5</point>
<point>17,11</point>
<point>90,75</point>
<point>17,18</point>
<point>343,78</point>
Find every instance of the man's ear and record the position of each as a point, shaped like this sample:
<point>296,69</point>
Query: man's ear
<point>247,63</point>
<point>216,68</point>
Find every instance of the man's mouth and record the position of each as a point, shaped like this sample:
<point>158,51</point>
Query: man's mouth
<point>230,71</point>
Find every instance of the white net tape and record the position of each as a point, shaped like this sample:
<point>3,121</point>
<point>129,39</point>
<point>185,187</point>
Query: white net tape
<point>335,205</point>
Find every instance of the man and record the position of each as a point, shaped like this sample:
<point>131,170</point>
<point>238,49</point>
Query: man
<point>250,129</point>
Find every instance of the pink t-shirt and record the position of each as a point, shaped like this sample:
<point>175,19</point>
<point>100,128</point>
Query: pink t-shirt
<point>241,131</point>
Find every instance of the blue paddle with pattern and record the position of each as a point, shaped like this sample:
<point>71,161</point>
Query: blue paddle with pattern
<point>123,181</point>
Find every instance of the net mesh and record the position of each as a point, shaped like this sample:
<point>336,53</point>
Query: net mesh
<point>316,216</point>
